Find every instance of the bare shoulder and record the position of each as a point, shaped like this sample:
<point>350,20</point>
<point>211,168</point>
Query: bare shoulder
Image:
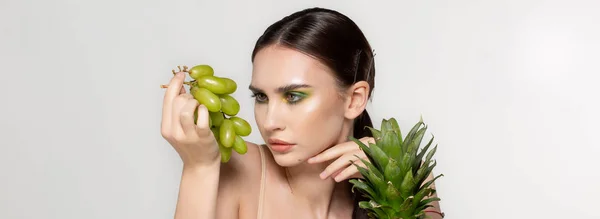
<point>238,183</point>
<point>243,167</point>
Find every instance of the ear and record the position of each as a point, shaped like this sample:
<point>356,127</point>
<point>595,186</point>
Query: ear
<point>357,99</point>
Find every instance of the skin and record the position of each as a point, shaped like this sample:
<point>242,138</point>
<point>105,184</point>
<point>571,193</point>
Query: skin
<point>303,182</point>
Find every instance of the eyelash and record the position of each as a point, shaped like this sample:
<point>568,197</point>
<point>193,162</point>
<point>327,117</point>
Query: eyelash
<point>255,96</point>
<point>295,95</point>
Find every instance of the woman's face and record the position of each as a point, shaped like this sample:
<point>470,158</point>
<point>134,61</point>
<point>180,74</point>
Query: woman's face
<point>296,101</point>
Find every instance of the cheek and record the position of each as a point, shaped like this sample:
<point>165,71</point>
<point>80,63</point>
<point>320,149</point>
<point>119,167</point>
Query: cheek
<point>319,123</point>
<point>259,115</point>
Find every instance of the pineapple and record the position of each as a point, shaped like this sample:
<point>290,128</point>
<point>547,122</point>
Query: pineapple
<point>394,180</point>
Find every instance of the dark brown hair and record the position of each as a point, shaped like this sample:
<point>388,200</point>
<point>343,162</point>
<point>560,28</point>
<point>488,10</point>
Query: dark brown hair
<point>336,41</point>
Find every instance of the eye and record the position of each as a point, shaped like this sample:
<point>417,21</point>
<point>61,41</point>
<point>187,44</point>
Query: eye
<point>294,97</point>
<point>260,97</point>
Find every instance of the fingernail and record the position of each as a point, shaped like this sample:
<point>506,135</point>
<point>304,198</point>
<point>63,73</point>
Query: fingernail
<point>322,175</point>
<point>310,160</point>
<point>180,74</point>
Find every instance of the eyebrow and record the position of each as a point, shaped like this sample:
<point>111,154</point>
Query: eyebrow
<point>281,89</point>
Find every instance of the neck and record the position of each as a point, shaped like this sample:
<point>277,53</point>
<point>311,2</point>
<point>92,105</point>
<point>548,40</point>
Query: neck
<point>321,195</point>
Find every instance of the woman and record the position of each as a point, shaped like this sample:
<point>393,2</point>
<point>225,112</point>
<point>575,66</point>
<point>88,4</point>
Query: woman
<point>312,77</point>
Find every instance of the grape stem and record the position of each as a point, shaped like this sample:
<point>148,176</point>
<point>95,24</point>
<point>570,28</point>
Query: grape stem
<point>185,82</point>
<point>185,69</point>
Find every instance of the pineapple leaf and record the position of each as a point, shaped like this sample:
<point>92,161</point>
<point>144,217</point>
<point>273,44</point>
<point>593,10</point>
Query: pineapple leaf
<point>424,172</point>
<point>413,131</point>
<point>365,149</point>
<point>419,159</point>
<point>381,158</point>
<point>374,212</point>
<point>364,172</point>
<point>393,196</point>
<point>421,208</point>
<point>426,167</point>
<point>416,141</point>
<point>385,126</point>
<point>431,153</point>
<point>390,212</point>
<point>390,145</point>
<point>374,204</point>
<point>405,164</point>
<point>373,177</point>
<point>362,186</point>
<point>426,185</point>
<point>421,195</point>
<point>376,133</point>
<point>410,135</point>
<point>370,167</point>
<point>408,185</point>
<point>378,183</point>
<point>396,129</point>
<point>392,172</point>
<point>429,200</point>
<point>365,205</point>
<point>406,205</point>
<point>379,213</point>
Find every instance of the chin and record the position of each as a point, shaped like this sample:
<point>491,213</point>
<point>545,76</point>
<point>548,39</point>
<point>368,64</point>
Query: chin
<point>288,159</point>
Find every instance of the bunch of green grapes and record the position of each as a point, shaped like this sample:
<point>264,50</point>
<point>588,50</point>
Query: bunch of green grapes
<point>215,93</point>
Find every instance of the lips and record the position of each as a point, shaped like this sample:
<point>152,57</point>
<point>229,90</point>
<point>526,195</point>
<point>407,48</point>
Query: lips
<point>279,145</point>
<point>278,141</point>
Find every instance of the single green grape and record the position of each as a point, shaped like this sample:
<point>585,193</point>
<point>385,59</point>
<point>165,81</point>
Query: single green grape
<point>240,145</point>
<point>201,70</point>
<point>227,133</point>
<point>230,85</point>
<point>206,98</point>
<point>225,153</point>
<point>229,105</point>
<point>241,126</point>
<point>215,84</point>
<point>216,117</point>
<point>215,131</point>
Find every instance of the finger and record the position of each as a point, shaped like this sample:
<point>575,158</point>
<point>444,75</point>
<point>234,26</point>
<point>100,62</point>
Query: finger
<point>178,104</point>
<point>333,152</point>
<point>367,140</point>
<point>338,150</point>
<point>187,117</point>
<point>339,164</point>
<point>182,90</point>
<point>173,90</point>
<point>202,126</point>
<point>202,122</point>
<point>350,172</point>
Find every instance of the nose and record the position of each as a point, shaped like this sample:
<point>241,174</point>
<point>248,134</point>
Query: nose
<point>274,118</point>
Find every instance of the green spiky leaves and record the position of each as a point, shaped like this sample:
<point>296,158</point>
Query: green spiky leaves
<point>395,177</point>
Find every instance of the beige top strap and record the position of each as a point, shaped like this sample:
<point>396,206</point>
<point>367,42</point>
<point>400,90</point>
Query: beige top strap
<point>261,195</point>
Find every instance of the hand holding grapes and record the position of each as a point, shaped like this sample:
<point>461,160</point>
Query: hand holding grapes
<point>194,143</point>
<point>202,125</point>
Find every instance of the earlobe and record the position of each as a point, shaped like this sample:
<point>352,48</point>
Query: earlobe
<point>358,96</point>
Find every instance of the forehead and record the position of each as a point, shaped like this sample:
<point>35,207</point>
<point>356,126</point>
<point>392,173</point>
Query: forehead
<point>275,66</point>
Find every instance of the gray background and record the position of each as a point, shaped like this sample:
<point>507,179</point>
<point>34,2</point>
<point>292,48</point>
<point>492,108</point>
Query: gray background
<point>509,88</point>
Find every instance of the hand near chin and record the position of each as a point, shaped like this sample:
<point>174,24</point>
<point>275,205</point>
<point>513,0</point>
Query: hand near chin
<point>342,156</point>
